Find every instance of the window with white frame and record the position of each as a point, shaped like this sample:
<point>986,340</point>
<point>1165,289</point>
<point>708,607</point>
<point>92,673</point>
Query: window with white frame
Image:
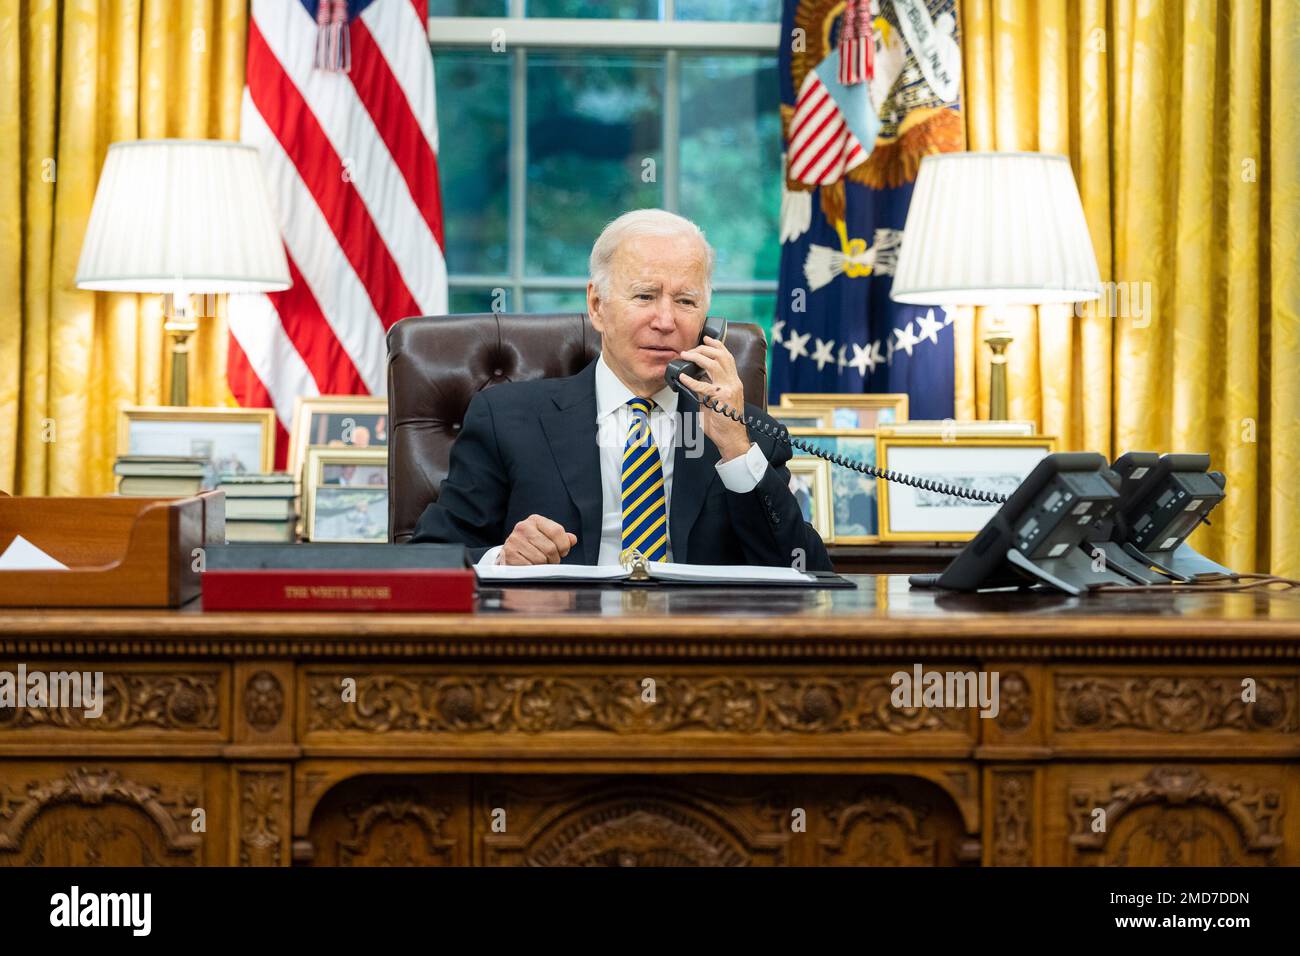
<point>555,116</point>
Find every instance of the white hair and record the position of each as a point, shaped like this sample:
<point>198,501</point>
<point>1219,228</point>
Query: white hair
<point>658,223</point>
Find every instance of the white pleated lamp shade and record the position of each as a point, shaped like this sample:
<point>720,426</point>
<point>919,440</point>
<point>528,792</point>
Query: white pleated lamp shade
<point>182,216</point>
<point>995,229</point>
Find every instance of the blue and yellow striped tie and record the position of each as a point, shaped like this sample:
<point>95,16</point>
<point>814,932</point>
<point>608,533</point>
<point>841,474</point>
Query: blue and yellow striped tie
<point>645,513</point>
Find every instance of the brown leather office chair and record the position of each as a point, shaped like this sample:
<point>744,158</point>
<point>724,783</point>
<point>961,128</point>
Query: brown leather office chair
<point>437,363</point>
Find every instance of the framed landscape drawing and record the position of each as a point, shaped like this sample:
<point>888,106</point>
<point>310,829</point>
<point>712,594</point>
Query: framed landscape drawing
<point>239,441</point>
<point>855,515</point>
<point>996,464</point>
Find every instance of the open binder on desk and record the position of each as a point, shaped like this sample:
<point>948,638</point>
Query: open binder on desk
<point>640,572</point>
<point>119,551</point>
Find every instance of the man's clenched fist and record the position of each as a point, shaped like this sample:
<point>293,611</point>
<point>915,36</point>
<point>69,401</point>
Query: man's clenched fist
<point>537,540</point>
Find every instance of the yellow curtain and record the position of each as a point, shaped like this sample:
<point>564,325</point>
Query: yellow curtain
<point>1180,119</point>
<point>75,76</point>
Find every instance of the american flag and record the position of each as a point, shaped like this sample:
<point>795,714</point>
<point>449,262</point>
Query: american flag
<point>339,102</point>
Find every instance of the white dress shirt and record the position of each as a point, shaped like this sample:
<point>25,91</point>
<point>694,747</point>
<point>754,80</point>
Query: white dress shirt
<point>613,419</point>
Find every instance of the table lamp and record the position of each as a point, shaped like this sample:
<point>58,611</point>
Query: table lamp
<point>182,217</point>
<point>995,229</point>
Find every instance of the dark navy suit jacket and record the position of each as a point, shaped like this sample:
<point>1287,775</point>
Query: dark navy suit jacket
<point>530,448</point>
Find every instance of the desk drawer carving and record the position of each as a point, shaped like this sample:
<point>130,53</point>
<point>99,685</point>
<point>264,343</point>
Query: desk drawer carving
<point>1175,704</point>
<point>534,702</point>
<point>176,699</point>
<point>121,815</point>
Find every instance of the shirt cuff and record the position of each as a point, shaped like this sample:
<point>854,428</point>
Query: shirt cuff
<point>489,557</point>
<point>742,474</point>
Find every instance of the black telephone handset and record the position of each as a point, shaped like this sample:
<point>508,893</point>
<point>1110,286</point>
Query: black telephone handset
<point>716,327</point>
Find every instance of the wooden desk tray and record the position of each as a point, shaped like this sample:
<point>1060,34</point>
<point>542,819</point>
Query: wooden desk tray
<point>120,551</point>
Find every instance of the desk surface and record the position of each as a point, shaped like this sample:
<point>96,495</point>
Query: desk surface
<point>881,617</point>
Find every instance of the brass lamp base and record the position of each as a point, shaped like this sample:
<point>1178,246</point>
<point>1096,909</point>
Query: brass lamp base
<point>997,339</point>
<point>180,321</point>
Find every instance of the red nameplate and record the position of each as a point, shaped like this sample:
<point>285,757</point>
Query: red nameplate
<point>286,589</point>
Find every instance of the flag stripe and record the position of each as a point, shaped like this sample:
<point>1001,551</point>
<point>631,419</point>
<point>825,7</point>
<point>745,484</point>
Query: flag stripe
<point>249,392</point>
<point>382,97</point>
<point>299,132</point>
<point>303,322</point>
<point>311,243</point>
<point>364,166</point>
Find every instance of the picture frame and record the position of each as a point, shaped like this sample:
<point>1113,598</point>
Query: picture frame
<point>810,484</point>
<point>855,512</point>
<point>852,411</point>
<point>321,421</point>
<point>236,440</point>
<point>346,495</point>
<point>991,463</point>
<point>959,429</point>
<point>810,417</point>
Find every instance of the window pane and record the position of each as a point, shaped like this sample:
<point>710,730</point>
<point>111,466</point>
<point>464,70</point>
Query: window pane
<point>473,164</point>
<point>731,160</point>
<point>556,300</point>
<point>595,9</point>
<point>594,151</point>
<point>464,301</point>
<point>469,8</point>
<point>762,11</point>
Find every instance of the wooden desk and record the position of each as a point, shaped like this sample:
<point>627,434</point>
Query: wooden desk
<point>665,726</point>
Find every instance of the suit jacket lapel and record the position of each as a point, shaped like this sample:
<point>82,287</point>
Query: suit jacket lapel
<point>691,476</point>
<point>571,430</point>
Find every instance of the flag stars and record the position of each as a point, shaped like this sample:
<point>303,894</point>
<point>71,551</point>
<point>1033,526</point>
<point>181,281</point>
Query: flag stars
<point>796,344</point>
<point>777,326</point>
<point>906,339</point>
<point>822,353</point>
<point>930,327</point>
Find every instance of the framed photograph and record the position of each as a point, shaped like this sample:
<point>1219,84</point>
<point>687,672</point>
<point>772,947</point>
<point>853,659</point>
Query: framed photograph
<point>236,440</point>
<point>855,517</point>
<point>958,429</point>
<point>811,487</point>
<point>336,421</point>
<point>852,411</point>
<point>996,464</point>
<point>346,495</point>
<point>803,417</point>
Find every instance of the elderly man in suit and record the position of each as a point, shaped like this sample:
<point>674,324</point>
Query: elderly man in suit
<point>578,469</point>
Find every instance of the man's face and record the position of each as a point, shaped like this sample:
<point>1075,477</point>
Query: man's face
<point>654,310</point>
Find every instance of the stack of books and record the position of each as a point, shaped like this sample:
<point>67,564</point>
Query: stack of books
<point>161,476</point>
<point>260,507</point>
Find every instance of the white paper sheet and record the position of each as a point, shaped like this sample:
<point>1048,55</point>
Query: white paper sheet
<point>544,572</point>
<point>669,571</point>
<point>22,555</point>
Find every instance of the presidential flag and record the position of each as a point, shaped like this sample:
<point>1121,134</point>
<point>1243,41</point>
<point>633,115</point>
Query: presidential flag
<point>339,102</point>
<point>868,88</point>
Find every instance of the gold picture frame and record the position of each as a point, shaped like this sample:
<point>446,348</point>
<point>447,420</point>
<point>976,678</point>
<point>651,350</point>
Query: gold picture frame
<point>809,417</point>
<point>305,412</point>
<point>847,410</point>
<point>252,453</point>
<point>902,508</point>
<point>847,485</point>
<point>352,506</point>
<point>980,428</point>
<point>811,476</point>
